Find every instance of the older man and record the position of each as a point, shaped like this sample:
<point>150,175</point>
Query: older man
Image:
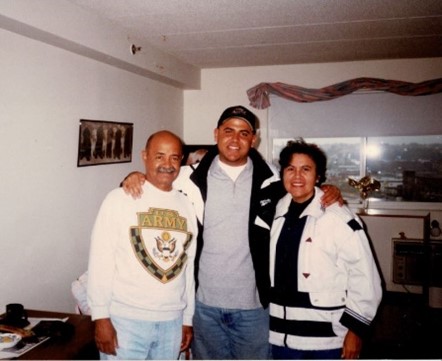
<point>141,268</point>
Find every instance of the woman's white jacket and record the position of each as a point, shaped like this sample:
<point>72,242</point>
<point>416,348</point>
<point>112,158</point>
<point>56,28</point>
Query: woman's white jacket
<point>335,263</point>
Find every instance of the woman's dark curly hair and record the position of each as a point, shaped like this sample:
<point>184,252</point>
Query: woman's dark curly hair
<point>299,146</point>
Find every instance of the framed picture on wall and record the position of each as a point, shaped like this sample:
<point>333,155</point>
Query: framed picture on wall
<point>194,153</point>
<point>104,142</point>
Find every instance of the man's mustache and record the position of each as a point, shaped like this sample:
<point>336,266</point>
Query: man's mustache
<point>166,169</point>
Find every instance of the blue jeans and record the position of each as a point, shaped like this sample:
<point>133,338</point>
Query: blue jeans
<point>285,353</point>
<point>146,340</point>
<point>227,334</point>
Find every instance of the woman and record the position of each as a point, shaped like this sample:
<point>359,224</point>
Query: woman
<point>325,284</point>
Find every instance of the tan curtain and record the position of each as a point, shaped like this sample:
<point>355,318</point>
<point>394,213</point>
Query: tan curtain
<point>259,94</point>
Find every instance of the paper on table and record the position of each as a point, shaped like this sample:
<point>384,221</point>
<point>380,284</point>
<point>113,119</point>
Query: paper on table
<point>21,348</point>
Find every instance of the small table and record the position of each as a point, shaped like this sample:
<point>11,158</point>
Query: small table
<point>81,346</point>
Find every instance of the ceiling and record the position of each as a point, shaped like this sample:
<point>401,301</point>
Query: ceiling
<point>236,33</point>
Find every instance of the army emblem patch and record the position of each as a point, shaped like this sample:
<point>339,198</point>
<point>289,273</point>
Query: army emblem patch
<point>160,241</point>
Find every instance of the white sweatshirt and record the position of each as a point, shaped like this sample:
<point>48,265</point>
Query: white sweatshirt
<point>141,262</point>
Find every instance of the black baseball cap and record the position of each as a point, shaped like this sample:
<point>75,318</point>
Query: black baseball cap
<point>238,111</point>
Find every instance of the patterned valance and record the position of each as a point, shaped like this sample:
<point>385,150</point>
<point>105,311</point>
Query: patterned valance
<point>259,94</point>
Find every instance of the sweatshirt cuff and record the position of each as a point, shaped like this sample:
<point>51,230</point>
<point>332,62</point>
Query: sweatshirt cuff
<point>99,312</point>
<point>187,320</point>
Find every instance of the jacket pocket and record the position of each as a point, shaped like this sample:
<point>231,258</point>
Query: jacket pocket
<point>328,299</point>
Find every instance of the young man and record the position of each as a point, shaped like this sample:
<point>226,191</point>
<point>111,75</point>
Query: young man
<point>231,187</point>
<point>141,286</point>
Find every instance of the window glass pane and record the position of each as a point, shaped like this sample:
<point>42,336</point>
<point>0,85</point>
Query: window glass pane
<point>343,161</point>
<point>408,167</point>
<point>278,145</point>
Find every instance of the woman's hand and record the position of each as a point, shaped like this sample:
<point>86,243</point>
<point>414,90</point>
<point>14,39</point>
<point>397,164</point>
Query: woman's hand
<point>352,346</point>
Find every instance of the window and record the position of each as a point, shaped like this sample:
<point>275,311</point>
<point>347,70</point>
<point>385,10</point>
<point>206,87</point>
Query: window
<point>409,168</point>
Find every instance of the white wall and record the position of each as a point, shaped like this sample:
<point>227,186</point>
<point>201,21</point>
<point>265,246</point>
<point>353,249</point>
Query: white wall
<point>221,88</point>
<point>47,204</point>
<point>68,26</point>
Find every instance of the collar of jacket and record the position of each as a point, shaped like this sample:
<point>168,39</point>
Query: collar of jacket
<point>313,209</point>
<point>261,170</point>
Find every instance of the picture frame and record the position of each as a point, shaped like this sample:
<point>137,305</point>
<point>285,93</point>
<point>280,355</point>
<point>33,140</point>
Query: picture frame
<point>104,142</point>
<point>193,153</point>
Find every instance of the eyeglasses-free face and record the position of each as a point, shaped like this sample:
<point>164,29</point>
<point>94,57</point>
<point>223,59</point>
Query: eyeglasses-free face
<point>234,138</point>
<point>300,177</point>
